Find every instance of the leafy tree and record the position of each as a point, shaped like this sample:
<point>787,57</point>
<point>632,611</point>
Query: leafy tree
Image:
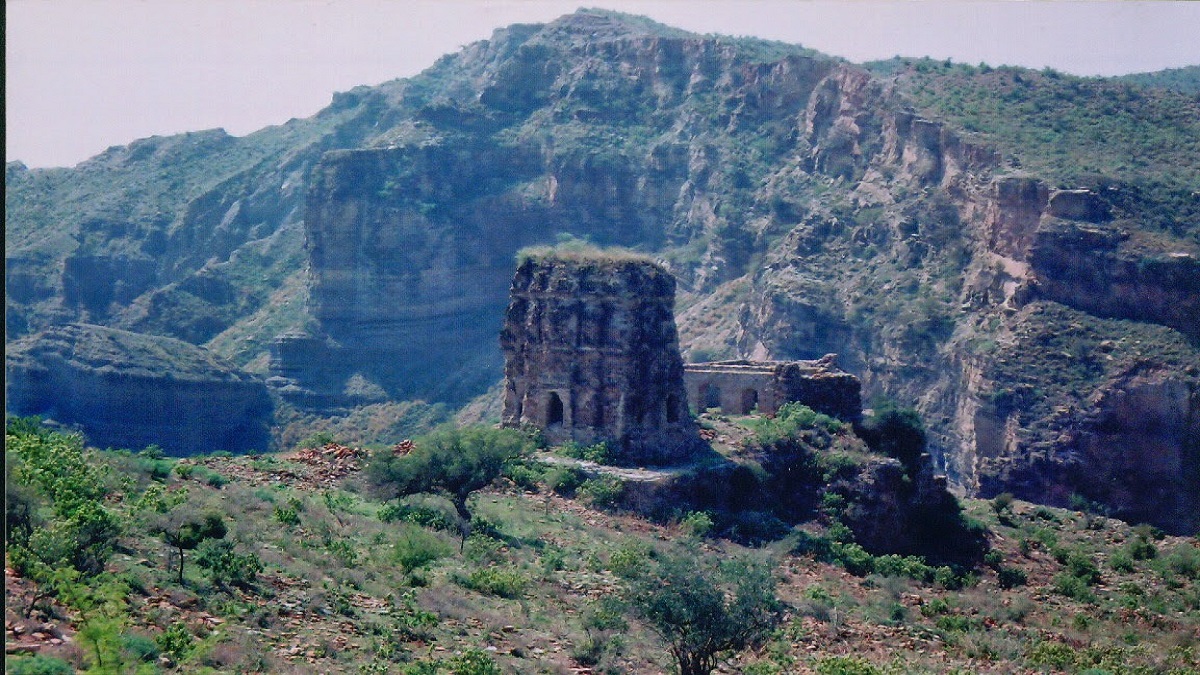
<point>59,531</point>
<point>896,432</point>
<point>454,463</point>
<point>701,612</point>
<point>184,529</point>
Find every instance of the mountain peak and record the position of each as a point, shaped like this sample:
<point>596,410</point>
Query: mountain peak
<point>594,25</point>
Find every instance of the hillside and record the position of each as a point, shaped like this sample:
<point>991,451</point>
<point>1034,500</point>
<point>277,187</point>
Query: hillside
<point>312,570</point>
<point>1014,252</point>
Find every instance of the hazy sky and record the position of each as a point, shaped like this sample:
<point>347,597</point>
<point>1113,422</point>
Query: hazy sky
<point>82,75</point>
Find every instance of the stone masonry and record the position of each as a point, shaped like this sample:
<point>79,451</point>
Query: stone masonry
<point>591,354</point>
<point>740,387</point>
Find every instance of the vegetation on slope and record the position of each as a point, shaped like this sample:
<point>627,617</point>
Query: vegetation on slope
<point>313,573</point>
<point>1076,131</point>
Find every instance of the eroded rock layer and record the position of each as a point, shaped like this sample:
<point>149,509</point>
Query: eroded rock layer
<point>129,390</point>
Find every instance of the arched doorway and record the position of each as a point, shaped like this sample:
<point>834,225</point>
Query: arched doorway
<point>554,409</point>
<point>710,396</point>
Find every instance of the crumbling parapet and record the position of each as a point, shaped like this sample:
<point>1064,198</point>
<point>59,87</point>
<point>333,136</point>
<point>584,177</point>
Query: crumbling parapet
<point>591,354</point>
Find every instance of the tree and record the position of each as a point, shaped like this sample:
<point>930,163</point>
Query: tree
<point>184,529</point>
<point>896,432</point>
<point>703,612</point>
<point>451,462</point>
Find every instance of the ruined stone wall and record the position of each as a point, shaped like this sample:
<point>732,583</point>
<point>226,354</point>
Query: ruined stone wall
<point>736,387</point>
<point>740,387</point>
<point>591,354</point>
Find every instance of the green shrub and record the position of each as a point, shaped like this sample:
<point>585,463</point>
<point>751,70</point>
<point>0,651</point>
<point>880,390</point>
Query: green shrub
<point>1141,548</point>
<point>37,665</point>
<point>504,582</point>
<point>1183,560</point>
<point>599,453</point>
<point>1082,566</point>
<point>853,557</point>
<point>287,515</point>
<point>525,474</point>
<point>1121,561</point>
<point>1072,587</point>
<point>139,647</point>
<point>424,515</point>
<point>225,566</point>
<point>176,640</point>
<point>603,490</point>
<point>1011,577</point>
<point>629,558</point>
<point>416,547</point>
<point>911,566</point>
<point>696,523</point>
<point>565,480</point>
<point>473,662</point>
<point>482,549</point>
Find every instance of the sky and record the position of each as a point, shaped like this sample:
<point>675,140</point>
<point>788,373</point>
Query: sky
<point>83,75</point>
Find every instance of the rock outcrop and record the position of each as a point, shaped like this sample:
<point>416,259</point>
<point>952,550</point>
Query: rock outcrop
<point>591,355</point>
<point>130,390</point>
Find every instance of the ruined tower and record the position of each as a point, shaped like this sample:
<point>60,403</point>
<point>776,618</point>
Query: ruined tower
<point>591,354</point>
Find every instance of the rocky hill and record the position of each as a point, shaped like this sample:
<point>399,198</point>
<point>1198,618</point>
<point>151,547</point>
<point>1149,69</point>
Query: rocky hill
<point>1017,253</point>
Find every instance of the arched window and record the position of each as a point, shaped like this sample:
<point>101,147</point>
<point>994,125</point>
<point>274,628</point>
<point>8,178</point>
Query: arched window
<point>554,409</point>
<point>672,409</point>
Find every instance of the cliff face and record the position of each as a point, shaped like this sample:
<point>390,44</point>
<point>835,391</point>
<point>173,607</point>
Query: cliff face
<point>128,390</point>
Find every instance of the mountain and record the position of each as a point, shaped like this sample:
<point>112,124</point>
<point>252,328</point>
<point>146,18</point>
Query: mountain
<point>1016,253</point>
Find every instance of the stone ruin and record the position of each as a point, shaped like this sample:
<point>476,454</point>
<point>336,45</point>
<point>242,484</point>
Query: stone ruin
<point>591,355</point>
<point>742,387</point>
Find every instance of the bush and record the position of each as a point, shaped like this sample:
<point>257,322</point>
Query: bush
<point>696,523</point>
<point>37,665</point>
<point>452,462</point>
<point>416,548</point>
<point>1082,567</point>
<point>898,433</point>
<point>287,515</point>
<point>525,475</point>
<point>504,582</point>
<point>602,490</point>
<point>227,567</point>
<point>1072,587</point>
<point>139,647</point>
<point>565,480</point>
<point>176,640</point>
<point>424,515</point>
<point>599,453</point>
<point>1011,577</point>
<point>1184,560</point>
<point>473,662</point>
